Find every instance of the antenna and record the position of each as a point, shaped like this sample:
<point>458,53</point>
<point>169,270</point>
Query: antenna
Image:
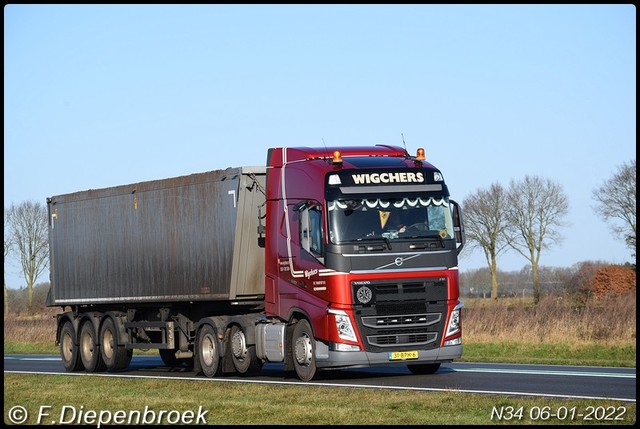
<point>325,147</point>
<point>405,145</point>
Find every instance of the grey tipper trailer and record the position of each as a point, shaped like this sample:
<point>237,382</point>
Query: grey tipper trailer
<point>190,238</point>
<point>147,265</point>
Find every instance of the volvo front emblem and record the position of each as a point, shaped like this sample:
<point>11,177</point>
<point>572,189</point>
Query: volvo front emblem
<point>399,261</point>
<point>364,295</point>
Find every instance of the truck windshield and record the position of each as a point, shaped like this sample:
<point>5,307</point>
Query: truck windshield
<point>391,218</point>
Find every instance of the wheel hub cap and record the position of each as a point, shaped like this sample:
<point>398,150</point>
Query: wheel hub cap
<point>303,350</point>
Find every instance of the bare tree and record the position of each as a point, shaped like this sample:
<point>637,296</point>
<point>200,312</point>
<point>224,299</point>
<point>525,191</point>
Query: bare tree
<point>29,229</point>
<point>485,226</point>
<point>536,209</point>
<point>8,246</point>
<point>616,200</point>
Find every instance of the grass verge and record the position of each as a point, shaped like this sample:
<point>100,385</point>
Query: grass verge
<point>622,355</point>
<point>85,399</point>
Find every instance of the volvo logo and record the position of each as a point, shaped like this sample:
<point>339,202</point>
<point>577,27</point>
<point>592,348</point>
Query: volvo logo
<point>399,261</point>
<point>364,295</point>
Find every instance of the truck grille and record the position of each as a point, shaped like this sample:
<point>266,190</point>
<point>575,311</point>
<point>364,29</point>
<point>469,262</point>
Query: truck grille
<point>400,315</point>
<point>413,340</point>
<point>405,320</point>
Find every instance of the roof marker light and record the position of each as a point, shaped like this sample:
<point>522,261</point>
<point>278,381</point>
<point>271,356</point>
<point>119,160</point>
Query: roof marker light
<point>420,155</point>
<point>337,158</point>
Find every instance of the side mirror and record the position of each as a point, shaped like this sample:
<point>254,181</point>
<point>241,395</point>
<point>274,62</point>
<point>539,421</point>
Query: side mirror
<point>458,226</point>
<point>300,205</point>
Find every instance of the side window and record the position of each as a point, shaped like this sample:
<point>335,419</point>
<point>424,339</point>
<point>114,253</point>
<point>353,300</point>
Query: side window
<point>311,231</point>
<point>315,224</point>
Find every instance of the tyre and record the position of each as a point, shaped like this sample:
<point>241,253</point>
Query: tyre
<point>89,349</point>
<point>69,351</point>
<point>208,351</point>
<point>303,346</point>
<point>424,368</point>
<point>115,357</point>
<point>243,356</point>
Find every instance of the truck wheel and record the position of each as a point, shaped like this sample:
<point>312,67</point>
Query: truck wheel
<point>424,368</point>
<point>208,351</point>
<point>115,356</point>
<point>244,357</point>
<point>68,348</point>
<point>89,350</point>
<point>304,347</point>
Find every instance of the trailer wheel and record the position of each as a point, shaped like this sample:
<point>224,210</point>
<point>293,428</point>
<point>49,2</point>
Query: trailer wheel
<point>243,356</point>
<point>68,348</point>
<point>304,350</point>
<point>89,350</point>
<point>208,351</point>
<point>115,356</point>
<point>424,368</point>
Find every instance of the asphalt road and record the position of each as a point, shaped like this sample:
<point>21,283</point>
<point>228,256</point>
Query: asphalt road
<point>557,381</point>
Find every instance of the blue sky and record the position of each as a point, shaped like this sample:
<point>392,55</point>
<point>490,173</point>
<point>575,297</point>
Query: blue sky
<point>104,95</point>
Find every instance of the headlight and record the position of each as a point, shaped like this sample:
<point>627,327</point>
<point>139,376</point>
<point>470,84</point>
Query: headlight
<point>453,326</point>
<point>344,326</point>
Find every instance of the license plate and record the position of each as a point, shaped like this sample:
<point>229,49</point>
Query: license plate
<point>403,355</point>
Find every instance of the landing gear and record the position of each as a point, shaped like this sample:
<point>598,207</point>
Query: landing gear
<point>169,358</point>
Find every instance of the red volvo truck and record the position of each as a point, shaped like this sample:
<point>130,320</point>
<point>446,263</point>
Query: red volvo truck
<point>323,258</point>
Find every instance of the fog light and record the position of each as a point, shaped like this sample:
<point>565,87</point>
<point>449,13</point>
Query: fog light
<point>454,342</point>
<point>341,347</point>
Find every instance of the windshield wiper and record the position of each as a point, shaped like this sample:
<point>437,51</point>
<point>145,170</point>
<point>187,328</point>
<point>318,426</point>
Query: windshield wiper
<point>430,235</point>
<point>376,238</point>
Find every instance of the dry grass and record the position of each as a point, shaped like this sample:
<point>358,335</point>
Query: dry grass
<point>609,321</point>
<point>39,327</point>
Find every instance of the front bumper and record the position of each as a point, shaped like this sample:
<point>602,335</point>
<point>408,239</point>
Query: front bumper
<point>326,358</point>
